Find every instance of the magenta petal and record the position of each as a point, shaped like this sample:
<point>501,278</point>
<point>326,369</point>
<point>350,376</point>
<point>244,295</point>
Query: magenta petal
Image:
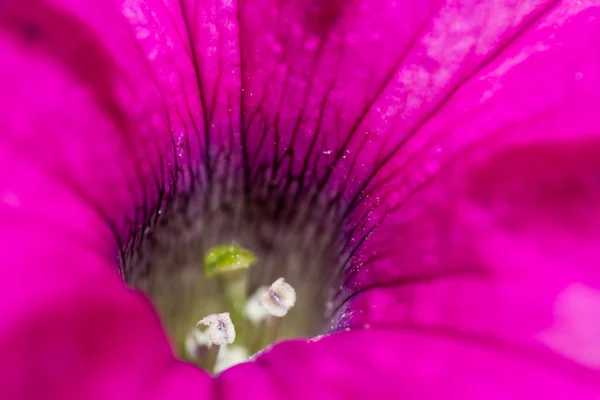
<point>79,102</point>
<point>78,110</point>
<point>497,195</point>
<point>69,329</point>
<point>524,120</point>
<point>494,239</point>
<point>414,364</point>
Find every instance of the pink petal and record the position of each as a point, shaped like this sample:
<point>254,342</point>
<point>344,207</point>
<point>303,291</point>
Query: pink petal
<point>78,93</point>
<point>69,327</point>
<point>497,195</point>
<point>413,364</point>
<point>75,89</point>
<point>494,238</point>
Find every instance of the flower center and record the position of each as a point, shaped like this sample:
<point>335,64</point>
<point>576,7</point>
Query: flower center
<point>253,267</point>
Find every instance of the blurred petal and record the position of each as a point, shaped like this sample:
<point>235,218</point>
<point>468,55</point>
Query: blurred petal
<point>414,364</point>
<point>69,327</point>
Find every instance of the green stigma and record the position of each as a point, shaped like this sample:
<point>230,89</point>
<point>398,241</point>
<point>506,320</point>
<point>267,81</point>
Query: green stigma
<point>228,258</point>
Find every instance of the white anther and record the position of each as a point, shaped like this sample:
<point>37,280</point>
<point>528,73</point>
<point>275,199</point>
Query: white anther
<point>230,356</point>
<point>253,309</point>
<point>280,297</point>
<point>195,341</point>
<point>220,328</point>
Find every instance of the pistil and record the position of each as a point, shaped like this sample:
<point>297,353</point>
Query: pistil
<point>229,264</point>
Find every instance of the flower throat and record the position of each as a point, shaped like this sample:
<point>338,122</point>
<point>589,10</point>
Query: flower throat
<point>214,251</point>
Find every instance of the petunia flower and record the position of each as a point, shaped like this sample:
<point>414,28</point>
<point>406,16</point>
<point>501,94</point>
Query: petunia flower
<point>426,173</point>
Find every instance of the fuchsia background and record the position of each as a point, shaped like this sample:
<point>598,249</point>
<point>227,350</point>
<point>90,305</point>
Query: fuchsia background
<point>486,263</point>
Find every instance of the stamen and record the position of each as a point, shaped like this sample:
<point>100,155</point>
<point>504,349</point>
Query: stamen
<point>220,328</point>
<point>206,348</point>
<point>253,309</point>
<point>230,356</point>
<point>197,345</point>
<point>201,350</point>
<point>279,299</point>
